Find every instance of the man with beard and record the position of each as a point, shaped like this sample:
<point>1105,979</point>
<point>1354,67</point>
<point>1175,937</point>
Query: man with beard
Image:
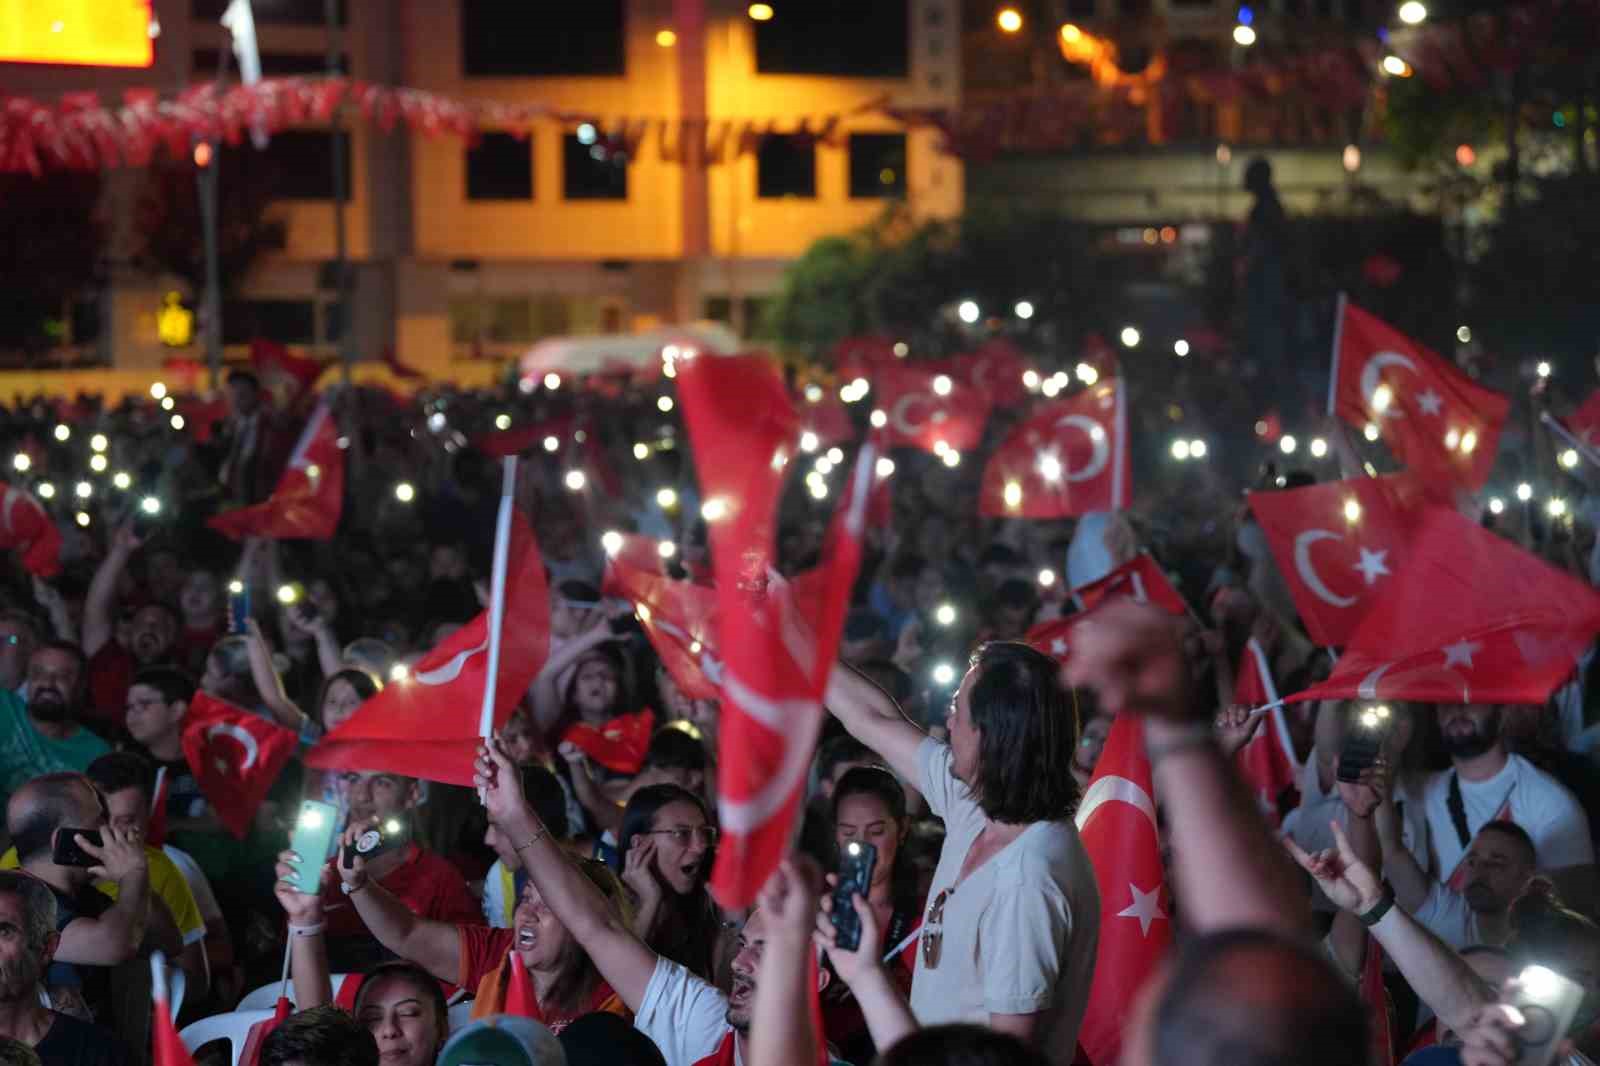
<point>153,630</point>
<point>44,735</point>
<point>28,940</point>
<point>1486,783</point>
<point>1496,869</point>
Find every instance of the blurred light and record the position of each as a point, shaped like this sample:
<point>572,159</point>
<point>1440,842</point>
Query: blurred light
<point>1013,495</point>
<point>1319,447</point>
<point>945,614</point>
<point>666,38</point>
<point>83,490</point>
<point>1524,492</point>
<point>968,311</point>
<point>46,490</point>
<point>901,349</point>
<point>1047,577</point>
<point>97,463</point>
<point>202,154</point>
<point>587,133</point>
<point>575,480</point>
<point>83,519</point>
<point>63,433</point>
<point>98,442</point>
<point>664,404</point>
<point>759,12</point>
<point>552,443</point>
<point>1180,347</point>
<point>287,594</point>
<point>1244,36</point>
<point>813,393</point>
<point>1557,507</point>
<point>1246,16</point>
<point>552,381</point>
<point>526,385</point>
<point>1465,156</point>
<point>1412,12</point>
<point>404,492</point>
<point>1024,310</point>
<point>819,488</point>
<point>1452,438</point>
<point>1224,155</point>
<point>502,421</point>
<point>1288,444</point>
<point>1169,234</point>
<point>1009,20</point>
<point>714,509</point>
<point>20,462</point>
<point>1569,458</point>
<point>879,418</point>
<point>1352,510</point>
<point>1382,397</point>
<point>942,385</point>
<point>835,456</point>
<point>1087,374</point>
<point>1464,334</point>
<point>884,466</point>
<point>809,441</point>
<point>611,541</point>
<point>176,421</point>
<point>641,451</point>
<point>122,480</point>
<point>436,421</point>
<point>1543,369</point>
<point>667,498</point>
<point>399,673</point>
<point>1351,158</point>
<point>666,549</point>
<point>1030,379</point>
<point>1496,505</point>
<point>824,465</point>
<point>1396,67</point>
<point>1071,34</point>
<point>952,458</point>
<point>1469,441</point>
<point>157,391</point>
<point>1049,468</point>
<point>1370,431</point>
<point>1130,337</point>
<point>1197,449</point>
<point>944,674</point>
<point>1180,449</point>
<point>1050,387</point>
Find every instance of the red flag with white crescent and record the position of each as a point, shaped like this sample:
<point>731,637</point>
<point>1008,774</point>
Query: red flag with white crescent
<point>678,617</point>
<point>26,529</point>
<point>235,756</point>
<point>930,411</point>
<point>1434,418</point>
<point>1069,457</point>
<point>1268,763</point>
<point>309,496</point>
<point>994,369</point>
<point>1140,578</point>
<point>166,1046</point>
<point>1117,821</point>
<point>777,640</point>
<point>426,725</point>
<point>285,376</point>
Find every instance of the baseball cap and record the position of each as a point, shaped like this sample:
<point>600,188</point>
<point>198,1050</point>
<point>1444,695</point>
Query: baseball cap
<point>503,1040</point>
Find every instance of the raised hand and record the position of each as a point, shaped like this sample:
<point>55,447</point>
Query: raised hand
<point>119,854</point>
<point>866,960</point>
<point>1343,878</point>
<point>638,871</point>
<point>1236,725</point>
<point>302,908</point>
<point>789,901</point>
<point>1132,655</point>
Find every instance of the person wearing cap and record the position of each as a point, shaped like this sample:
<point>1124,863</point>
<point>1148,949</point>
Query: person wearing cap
<point>503,1040</point>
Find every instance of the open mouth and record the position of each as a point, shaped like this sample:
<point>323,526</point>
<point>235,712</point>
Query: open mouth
<point>527,938</point>
<point>741,991</point>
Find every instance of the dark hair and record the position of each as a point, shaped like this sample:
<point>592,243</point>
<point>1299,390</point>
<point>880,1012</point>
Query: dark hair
<point>364,683</point>
<point>672,748</point>
<point>547,798</point>
<point>16,1053</point>
<point>688,929</point>
<point>606,1039</point>
<point>880,783</point>
<point>1543,926</point>
<point>836,751</point>
<point>244,377</point>
<point>1027,725</point>
<point>1516,833</point>
<point>38,905</point>
<point>118,770</point>
<point>998,554</point>
<point>907,566</point>
<point>319,1036</point>
<point>581,591</point>
<point>429,992</point>
<point>1014,592</point>
<point>573,989</point>
<point>1313,1018</point>
<point>51,805</point>
<point>66,647</point>
<point>175,685</point>
<point>233,653</point>
<point>960,1045</point>
<point>174,615</point>
<point>619,663</point>
<point>645,804</point>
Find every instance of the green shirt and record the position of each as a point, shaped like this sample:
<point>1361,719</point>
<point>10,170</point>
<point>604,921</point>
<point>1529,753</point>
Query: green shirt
<point>25,753</point>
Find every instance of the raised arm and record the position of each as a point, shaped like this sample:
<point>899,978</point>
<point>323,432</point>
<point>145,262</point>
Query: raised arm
<point>546,699</point>
<point>435,946</point>
<point>887,1014</point>
<point>781,1031</point>
<point>620,956</point>
<point>116,935</point>
<point>268,683</point>
<point>871,716</point>
<point>99,602</point>
<point>308,948</point>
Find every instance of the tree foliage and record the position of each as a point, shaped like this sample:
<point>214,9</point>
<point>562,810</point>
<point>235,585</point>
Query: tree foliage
<point>170,225</point>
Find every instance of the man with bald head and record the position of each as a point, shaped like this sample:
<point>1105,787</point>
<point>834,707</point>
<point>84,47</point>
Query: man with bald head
<point>95,932</point>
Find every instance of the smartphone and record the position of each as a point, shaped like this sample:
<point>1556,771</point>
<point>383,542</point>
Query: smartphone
<point>856,861</point>
<point>238,607</point>
<point>1548,1003</point>
<point>1366,731</point>
<point>65,851</point>
<point>386,835</point>
<point>313,835</point>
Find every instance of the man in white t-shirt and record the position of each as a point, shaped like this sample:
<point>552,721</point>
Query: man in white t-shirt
<point>1013,917</point>
<point>1496,870</point>
<point>1485,784</point>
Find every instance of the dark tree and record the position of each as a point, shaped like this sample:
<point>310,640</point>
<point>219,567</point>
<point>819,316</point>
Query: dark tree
<point>168,221</point>
<point>51,243</point>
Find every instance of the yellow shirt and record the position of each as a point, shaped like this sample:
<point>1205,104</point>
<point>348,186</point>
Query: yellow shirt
<point>166,882</point>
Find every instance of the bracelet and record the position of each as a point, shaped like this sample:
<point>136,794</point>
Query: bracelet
<point>348,889</point>
<point>1191,735</point>
<point>306,930</point>
<point>531,841</point>
<point>1375,913</point>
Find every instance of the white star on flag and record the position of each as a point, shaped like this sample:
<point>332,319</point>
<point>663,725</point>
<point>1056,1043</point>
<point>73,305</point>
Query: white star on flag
<point>1460,654</point>
<point>1373,565</point>
<point>1429,402</point>
<point>1146,907</point>
<point>1058,647</point>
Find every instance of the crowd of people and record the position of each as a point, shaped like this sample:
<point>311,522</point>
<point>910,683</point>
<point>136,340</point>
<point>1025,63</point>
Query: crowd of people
<point>957,750</point>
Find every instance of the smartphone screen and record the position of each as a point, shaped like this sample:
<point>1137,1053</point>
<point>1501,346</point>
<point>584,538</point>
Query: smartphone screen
<point>64,850</point>
<point>386,835</point>
<point>855,878</point>
<point>313,835</point>
<point>238,607</point>
<point>1548,1003</point>
<point>1364,737</point>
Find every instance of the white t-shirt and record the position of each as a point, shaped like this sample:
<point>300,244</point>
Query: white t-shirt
<point>1307,824</point>
<point>1538,803</point>
<point>1020,933</point>
<point>685,1017</point>
<point>1446,915</point>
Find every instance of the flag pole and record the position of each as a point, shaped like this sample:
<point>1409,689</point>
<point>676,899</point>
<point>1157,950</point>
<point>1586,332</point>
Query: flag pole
<point>1567,435</point>
<point>497,595</point>
<point>1338,338</point>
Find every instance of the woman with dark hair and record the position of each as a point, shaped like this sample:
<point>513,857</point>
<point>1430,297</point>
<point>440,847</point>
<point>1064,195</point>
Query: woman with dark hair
<point>1012,924</point>
<point>665,845</point>
<point>403,1008</point>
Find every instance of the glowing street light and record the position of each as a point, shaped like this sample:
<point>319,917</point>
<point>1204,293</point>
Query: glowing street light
<point>759,12</point>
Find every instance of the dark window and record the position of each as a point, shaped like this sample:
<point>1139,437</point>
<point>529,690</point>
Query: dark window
<point>852,38</point>
<point>592,169</point>
<point>301,162</point>
<point>273,64</point>
<point>1080,9</point>
<point>877,165</point>
<point>500,167</point>
<point>285,321</point>
<point>297,12</point>
<point>786,165</point>
<point>518,39</point>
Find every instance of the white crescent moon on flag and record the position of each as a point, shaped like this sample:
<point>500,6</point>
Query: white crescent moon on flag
<point>246,741</point>
<point>1368,689</point>
<point>1097,440</point>
<point>1369,379</point>
<point>897,414</point>
<point>443,675</point>
<point>747,815</point>
<point>1112,789</point>
<point>1308,573</point>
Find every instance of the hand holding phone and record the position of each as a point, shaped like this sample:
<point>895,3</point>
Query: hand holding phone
<point>856,860</point>
<point>382,836</point>
<point>314,832</point>
<point>66,851</point>
<point>1366,732</point>
<point>1547,1003</point>
<point>238,607</point>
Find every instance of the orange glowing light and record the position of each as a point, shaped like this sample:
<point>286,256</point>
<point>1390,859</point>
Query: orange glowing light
<point>1465,155</point>
<point>85,33</point>
<point>1071,34</point>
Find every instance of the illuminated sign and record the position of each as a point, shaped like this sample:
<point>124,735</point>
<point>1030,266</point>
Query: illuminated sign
<point>85,33</point>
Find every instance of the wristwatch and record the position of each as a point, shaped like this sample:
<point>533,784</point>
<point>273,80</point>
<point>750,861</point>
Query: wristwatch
<point>1373,915</point>
<point>348,889</point>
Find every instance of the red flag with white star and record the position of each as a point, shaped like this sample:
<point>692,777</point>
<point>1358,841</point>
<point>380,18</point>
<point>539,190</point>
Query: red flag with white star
<point>1434,418</point>
<point>1117,821</point>
<point>1069,458</point>
<point>931,411</point>
<point>1054,638</point>
<point>1472,618</point>
<point>309,497</point>
<point>1268,763</point>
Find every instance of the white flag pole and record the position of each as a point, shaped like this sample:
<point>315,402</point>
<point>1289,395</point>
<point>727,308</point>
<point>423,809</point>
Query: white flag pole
<point>1567,435</point>
<point>497,595</point>
<point>1333,370</point>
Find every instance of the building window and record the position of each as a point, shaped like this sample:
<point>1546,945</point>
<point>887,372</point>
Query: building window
<point>500,167</point>
<point>877,166</point>
<point>292,12</point>
<point>849,38</point>
<point>505,39</point>
<point>301,162</point>
<point>273,64</point>
<point>285,321</point>
<point>592,169</point>
<point>786,165</point>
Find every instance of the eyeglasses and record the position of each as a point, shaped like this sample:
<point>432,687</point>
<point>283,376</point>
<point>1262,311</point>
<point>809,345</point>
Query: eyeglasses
<point>933,932</point>
<point>705,834</point>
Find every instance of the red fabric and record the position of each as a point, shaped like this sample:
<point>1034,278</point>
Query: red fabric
<point>235,757</point>
<point>1335,567</point>
<point>994,369</point>
<point>1117,821</point>
<point>1376,997</point>
<point>724,1055</point>
<point>1140,578</point>
<point>678,617</point>
<point>1069,457</point>
<point>310,493</point>
<point>427,725</point>
<point>777,641</point>
<point>620,745</point>
<point>282,373</point>
<point>111,672</point>
<point>260,1030</point>
<point>26,529</point>
<point>166,1047</point>
<point>1433,407</point>
<point>200,416</point>
<point>1584,423</point>
<point>863,356</point>
<point>1268,763</point>
<point>1472,618</point>
<point>510,442</point>
<point>520,997</point>
<point>483,949</point>
<point>1054,638</point>
<point>427,884</point>
<point>829,420</point>
<point>918,417</point>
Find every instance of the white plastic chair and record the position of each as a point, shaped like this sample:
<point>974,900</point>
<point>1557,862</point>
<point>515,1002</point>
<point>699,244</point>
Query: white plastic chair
<point>234,1028</point>
<point>266,997</point>
<point>177,985</point>
<point>460,1014</point>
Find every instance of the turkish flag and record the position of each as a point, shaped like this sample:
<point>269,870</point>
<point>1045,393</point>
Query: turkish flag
<point>829,420</point>
<point>202,415</point>
<point>521,1000</point>
<point>863,356</point>
<point>678,617</point>
<point>1054,637</point>
<point>1069,458</point>
<point>1117,821</point>
<point>1434,418</point>
<point>235,756</point>
<point>921,409</point>
<point>427,725</point>
<point>26,529</point>
<point>777,640</point>
<point>1140,578</point>
<point>619,745</point>
<point>508,442</point>
<point>286,376</point>
<point>994,368</point>
<point>309,496</point>
<point>1338,543</point>
<point>166,1046</point>
<point>1584,423</point>
<point>1472,618</point>
<point>1268,763</point>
